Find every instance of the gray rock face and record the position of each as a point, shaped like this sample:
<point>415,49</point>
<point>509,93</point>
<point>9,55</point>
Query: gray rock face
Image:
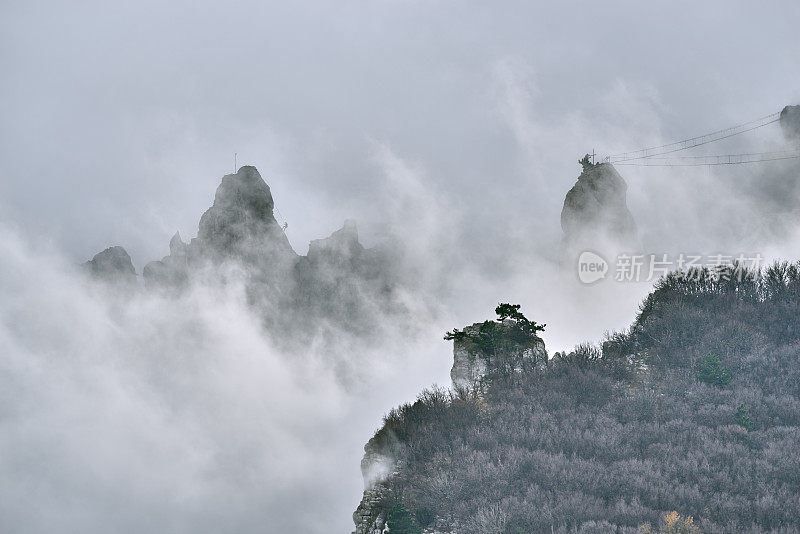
<point>368,518</point>
<point>596,210</point>
<point>112,265</point>
<point>790,122</point>
<point>469,367</point>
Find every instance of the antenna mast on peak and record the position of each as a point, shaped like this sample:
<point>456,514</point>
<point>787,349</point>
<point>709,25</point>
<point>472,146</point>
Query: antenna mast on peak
<point>234,162</point>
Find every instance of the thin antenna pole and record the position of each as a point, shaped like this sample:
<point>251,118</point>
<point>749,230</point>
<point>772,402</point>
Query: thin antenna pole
<point>234,162</point>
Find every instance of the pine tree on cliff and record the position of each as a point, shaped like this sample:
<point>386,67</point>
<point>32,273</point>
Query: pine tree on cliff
<point>586,163</point>
<point>506,335</point>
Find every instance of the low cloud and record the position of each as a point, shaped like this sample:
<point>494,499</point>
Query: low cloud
<point>137,412</point>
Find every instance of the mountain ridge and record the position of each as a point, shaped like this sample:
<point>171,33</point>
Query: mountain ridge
<point>338,284</point>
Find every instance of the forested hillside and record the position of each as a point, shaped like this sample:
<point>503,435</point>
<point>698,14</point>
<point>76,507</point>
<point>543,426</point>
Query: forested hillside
<point>688,422</point>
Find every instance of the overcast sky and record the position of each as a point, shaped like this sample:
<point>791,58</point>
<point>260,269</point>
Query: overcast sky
<point>457,125</point>
<point>117,121</point>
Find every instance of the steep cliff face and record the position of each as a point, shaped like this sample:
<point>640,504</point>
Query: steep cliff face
<point>469,368</point>
<point>377,466</point>
<point>595,211</point>
<point>369,517</point>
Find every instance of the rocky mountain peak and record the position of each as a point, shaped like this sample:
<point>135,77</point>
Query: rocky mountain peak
<point>596,208</point>
<point>247,192</point>
<point>239,239</point>
<point>112,265</point>
<point>241,218</point>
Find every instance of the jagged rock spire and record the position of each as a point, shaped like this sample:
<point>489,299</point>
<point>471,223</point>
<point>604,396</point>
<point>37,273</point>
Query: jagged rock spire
<point>596,210</point>
<point>241,220</point>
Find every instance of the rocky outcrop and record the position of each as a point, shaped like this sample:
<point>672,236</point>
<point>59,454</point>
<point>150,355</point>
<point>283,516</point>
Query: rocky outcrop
<point>790,122</point>
<point>515,346</point>
<point>112,265</point>
<point>471,366</point>
<point>595,210</point>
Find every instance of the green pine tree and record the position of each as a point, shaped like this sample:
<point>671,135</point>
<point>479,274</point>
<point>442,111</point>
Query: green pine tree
<point>711,371</point>
<point>401,521</point>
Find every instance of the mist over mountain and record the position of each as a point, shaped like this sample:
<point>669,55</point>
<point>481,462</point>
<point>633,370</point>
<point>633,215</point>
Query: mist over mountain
<point>218,398</point>
<point>338,287</point>
<point>189,345</point>
<point>595,213</point>
<point>112,265</point>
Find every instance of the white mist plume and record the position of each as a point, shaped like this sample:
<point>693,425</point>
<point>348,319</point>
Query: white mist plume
<point>135,412</point>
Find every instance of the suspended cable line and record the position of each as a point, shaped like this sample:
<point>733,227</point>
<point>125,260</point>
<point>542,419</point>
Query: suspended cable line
<point>780,153</point>
<point>685,144</point>
<point>702,161</point>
